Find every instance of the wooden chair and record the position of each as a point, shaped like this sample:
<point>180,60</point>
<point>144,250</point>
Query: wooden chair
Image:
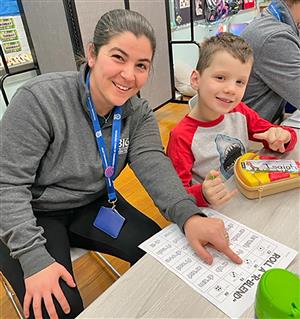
<point>78,252</point>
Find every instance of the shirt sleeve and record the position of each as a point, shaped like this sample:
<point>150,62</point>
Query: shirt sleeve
<point>153,168</point>
<point>257,124</point>
<point>285,81</point>
<point>180,152</point>
<point>25,136</point>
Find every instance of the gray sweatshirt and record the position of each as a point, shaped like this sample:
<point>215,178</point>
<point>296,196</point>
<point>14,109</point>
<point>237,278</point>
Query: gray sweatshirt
<point>49,160</point>
<point>275,77</point>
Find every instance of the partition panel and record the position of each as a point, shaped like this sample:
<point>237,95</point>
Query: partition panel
<point>61,29</point>
<point>158,90</point>
<point>89,12</point>
<point>50,36</point>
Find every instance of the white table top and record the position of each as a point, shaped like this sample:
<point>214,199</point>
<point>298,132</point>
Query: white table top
<point>149,290</point>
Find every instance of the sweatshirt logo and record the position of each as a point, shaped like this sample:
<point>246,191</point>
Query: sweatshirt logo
<point>123,145</point>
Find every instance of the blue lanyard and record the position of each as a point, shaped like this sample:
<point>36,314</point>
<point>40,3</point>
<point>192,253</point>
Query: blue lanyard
<point>111,166</point>
<point>275,11</point>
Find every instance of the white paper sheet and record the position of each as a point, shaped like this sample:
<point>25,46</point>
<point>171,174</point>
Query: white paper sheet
<point>293,120</point>
<point>228,286</point>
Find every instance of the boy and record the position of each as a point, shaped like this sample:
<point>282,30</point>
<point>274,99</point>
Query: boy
<point>216,132</point>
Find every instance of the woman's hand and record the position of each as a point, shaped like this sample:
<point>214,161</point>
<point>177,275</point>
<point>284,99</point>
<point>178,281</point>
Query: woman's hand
<point>42,285</point>
<point>276,137</point>
<point>214,189</point>
<point>201,231</point>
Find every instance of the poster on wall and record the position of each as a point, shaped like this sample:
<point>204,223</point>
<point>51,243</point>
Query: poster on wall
<point>12,35</point>
<point>215,10</point>
<point>182,11</point>
<point>9,8</point>
<point>249,4</point>
<point>198,10</point>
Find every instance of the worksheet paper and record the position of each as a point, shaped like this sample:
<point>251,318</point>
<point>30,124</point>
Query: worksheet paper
<point>293,120</point>
<point>228,286</point>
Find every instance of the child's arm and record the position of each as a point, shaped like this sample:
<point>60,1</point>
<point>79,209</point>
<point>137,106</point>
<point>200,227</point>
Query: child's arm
<point>215,191</point>
<point>180,153</point>
<point>276,137</point>
<point>282,139</point>
<point>212,192</point>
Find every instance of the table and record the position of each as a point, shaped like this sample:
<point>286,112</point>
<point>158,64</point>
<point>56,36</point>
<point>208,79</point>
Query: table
<point>149,290</point>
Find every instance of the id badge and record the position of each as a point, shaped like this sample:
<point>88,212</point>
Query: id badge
<point>109,221</point>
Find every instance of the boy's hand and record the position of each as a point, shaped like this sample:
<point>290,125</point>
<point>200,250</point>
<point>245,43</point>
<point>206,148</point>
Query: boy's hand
<point>201,231</point>
<point>214,190</point>
<point>276,137</point>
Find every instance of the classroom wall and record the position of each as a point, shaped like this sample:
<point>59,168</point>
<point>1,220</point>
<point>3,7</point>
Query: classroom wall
<point>188,53</point>
<point>54,42</point>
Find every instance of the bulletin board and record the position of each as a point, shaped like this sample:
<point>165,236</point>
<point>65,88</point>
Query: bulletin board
<point>182,11</point>
<point>208,10</point>
<point>13,41</point>
<point>214,10</point>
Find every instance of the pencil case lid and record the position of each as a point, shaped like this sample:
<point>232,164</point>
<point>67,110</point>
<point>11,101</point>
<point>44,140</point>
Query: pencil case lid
<point>258,184</point>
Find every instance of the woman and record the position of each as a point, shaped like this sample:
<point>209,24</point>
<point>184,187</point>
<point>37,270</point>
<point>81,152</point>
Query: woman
<point>64,140</point>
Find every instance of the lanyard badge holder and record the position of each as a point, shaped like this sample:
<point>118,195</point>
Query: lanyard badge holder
<point>108,219</point>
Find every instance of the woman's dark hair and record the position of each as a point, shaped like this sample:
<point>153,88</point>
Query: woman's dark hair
<point>119,21</point>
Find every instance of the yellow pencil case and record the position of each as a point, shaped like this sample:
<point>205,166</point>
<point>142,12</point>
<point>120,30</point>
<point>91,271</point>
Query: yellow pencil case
<point>260,184</point>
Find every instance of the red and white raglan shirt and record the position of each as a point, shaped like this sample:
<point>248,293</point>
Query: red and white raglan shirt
<point>196,147</point>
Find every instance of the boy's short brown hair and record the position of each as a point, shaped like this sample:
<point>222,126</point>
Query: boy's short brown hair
<point>228,42</point>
